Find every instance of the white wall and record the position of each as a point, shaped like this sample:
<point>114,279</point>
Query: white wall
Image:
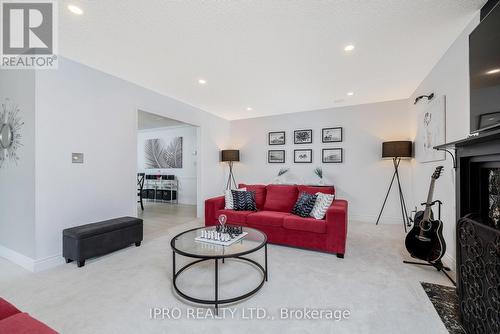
<point>362,179</point>
<point>17,182</point>
<point>81,109</point>
<point>449,77</point>
<point>186,175</point>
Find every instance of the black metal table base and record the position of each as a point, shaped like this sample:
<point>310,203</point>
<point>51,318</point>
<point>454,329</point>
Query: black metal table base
<point>217,301</point>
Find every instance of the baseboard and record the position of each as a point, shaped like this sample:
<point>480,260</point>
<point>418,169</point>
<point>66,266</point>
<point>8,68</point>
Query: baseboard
<point>373,219</point>
<point>48,262</point>
<point>449,262</point>
<point>17,258</point>
<point>29,263</point>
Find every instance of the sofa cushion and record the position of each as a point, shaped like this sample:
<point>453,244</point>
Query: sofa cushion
<point>22,323</point>
<point>234,217</point>
<point>267,218</point>
<point>323,202</point>
<point>304,224</point>
<point>260,193</point>
<point>244,201</point>
<point>7,309</point>
<point>280,198</point>
<point>228,198</point>
<point>304,204</point>
<point>317,189</point>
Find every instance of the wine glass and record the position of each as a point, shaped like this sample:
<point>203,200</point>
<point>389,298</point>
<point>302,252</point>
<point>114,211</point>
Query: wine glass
<point>222,223</point>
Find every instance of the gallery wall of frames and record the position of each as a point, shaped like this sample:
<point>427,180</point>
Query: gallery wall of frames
<point>331,151</point>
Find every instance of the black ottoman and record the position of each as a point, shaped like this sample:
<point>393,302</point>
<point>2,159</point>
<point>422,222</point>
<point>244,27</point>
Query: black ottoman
<point>91,240</point>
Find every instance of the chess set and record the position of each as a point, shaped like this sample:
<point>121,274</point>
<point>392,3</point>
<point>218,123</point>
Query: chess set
<point>221,234</point>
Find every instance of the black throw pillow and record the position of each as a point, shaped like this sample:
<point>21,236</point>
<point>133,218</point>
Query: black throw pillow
<point>244,201</point>
<point>304,204</point>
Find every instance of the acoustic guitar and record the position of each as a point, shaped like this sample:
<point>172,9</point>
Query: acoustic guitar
<point>425,239</point>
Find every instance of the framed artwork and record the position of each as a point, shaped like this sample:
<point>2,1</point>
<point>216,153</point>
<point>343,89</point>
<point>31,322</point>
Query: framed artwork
<point>302,156</point>
<point>331,135</point>
<point>332,155</point>
<point>303,136</point>
<point>431,131</point>
<point>158,154</point>
<point>277,138</point>
<point>276,156</point>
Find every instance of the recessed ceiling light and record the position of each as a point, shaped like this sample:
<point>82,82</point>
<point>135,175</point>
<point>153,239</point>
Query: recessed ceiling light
<point>349,48</point>
<point>75,9</point>
<point>350,93</point>
<point>493,71</point>
<point>202,81</point>
<point>249,108</point>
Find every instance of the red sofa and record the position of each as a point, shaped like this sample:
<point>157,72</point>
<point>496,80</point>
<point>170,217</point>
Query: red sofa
<point>273,217</point>
<point>13,321</point>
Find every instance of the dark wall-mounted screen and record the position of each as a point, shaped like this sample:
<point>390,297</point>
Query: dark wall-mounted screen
<point>484,64</point>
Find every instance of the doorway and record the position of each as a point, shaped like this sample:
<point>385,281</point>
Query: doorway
<point>167,170</point>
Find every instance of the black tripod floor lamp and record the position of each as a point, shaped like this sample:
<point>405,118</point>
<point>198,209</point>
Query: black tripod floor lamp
<point>230,156</point>
<point>397,150</point>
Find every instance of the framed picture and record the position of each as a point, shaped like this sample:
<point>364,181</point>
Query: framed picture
<point>431,131</point>
<point>159,153</point>
<point>332,155</point>
<point>331,135</point>
<point>302,156</point>
<point>276,156</point>
<point>277,138</point>
<point>303,136</point>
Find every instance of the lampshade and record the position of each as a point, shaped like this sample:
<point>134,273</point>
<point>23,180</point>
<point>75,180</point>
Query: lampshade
<point>397,149</point>
<point>230,155</point>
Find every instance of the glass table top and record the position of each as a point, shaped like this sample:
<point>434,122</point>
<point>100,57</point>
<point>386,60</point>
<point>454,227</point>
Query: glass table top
<point>185,244</point>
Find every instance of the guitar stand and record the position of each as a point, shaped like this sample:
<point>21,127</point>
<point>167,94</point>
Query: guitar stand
<point>438,264</point>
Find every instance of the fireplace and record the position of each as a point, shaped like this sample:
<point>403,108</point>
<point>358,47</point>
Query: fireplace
<point>481,191</point>
<point>493,179</point>
<point>478,232</point>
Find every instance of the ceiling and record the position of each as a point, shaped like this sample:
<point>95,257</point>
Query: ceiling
<point>146,120</point>
<point>273,56</point>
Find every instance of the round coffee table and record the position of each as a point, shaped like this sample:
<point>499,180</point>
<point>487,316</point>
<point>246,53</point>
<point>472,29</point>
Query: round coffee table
<point>185,244</point>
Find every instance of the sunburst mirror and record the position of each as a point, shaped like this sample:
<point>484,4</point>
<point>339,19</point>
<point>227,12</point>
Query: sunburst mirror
<point>10,132</point>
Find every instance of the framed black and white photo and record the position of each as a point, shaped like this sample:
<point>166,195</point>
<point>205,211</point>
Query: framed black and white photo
<point>331,135</point>
<point>332,155</point>
<point>160,153</point>
<point>276,156</point>
<point>302,156</point>
<point>303,136</point>
<point>277,138</point>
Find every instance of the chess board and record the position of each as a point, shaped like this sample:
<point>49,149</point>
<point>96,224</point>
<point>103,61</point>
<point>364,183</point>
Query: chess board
<point>228,242</point>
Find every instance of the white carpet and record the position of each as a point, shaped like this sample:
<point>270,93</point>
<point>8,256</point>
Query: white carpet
<point>114,294</point>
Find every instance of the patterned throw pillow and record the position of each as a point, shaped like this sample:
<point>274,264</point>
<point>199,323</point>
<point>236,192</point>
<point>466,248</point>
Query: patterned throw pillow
<point>228,195</point>
<point>304,205</point>
<point>244,200</point>
<point>322,204</point>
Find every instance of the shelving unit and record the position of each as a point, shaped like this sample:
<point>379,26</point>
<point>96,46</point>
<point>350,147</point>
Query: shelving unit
<point>161,188</point>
